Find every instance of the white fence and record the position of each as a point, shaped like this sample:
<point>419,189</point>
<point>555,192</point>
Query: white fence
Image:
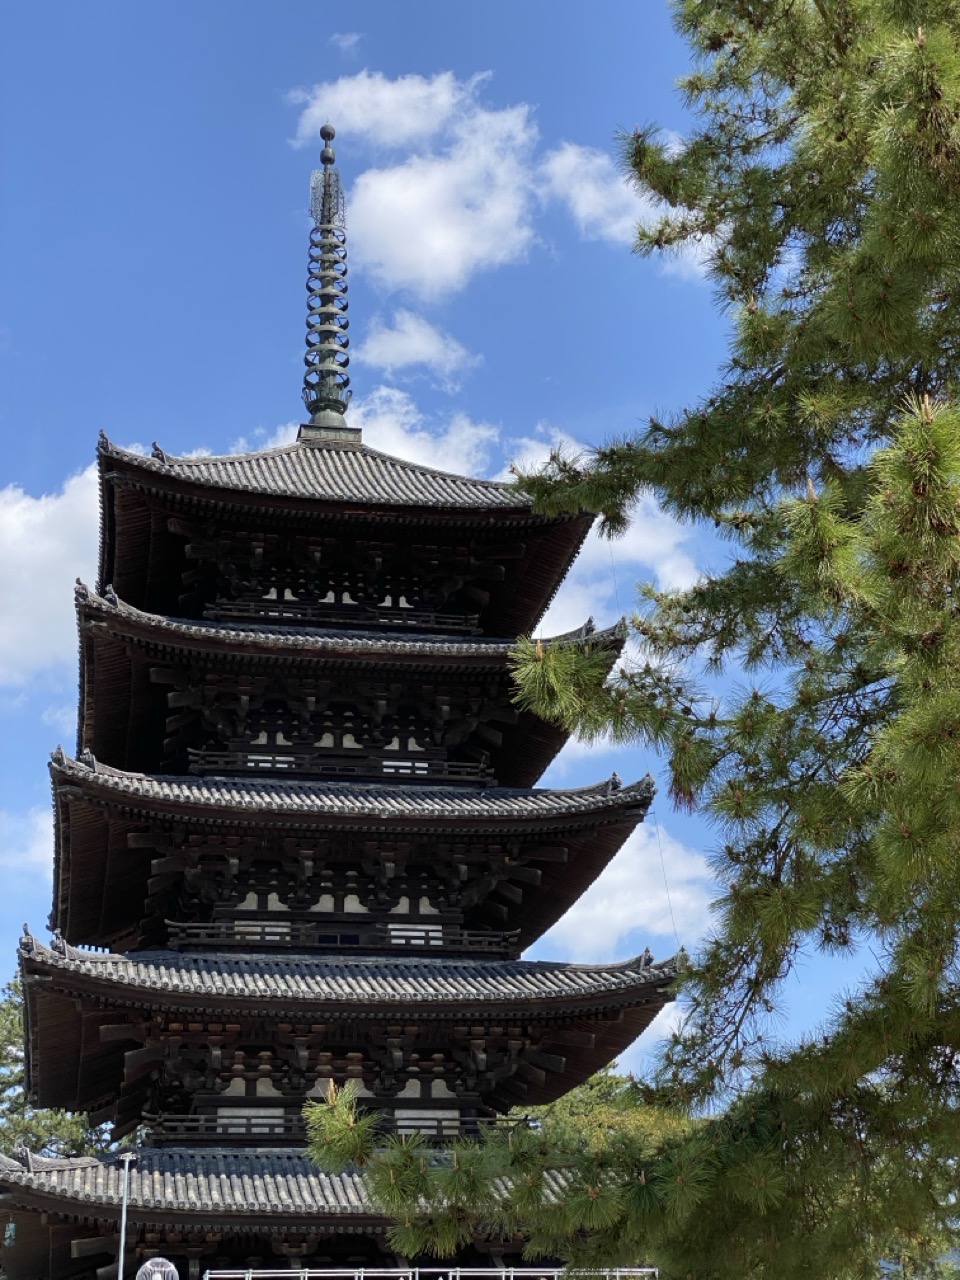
<point>435,1273</point>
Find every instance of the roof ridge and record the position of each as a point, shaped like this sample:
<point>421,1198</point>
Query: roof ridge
<point>435,471</point>
<point>107,601</point>
<point>87,764</point>
<point>331,978</point>
<point>161,458</point>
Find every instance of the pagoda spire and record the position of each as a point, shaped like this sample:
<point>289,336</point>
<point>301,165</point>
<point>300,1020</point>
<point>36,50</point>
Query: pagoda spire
<point>326,382</point>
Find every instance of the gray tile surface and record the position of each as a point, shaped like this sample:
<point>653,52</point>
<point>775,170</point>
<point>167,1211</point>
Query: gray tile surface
<point>340,473</point>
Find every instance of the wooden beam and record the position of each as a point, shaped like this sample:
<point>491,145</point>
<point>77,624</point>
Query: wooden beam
<point>550,853</point>
<point>140,1062</point>
<point>511,892</point>
<point>112,1031</point>
<point>528,875</point>
<point>94,1244</point>
<point>567,1035</point>
<point>549,1061</point>
<point>143,840</point>
<point>530,1072</point>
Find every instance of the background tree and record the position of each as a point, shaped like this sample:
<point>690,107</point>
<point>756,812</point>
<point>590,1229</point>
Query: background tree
<point>822,185</point>
<point>45,1132</point>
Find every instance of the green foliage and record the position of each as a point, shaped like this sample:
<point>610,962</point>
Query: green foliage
<point>821,185</point>
<point>49,1133</point>
<point>338,1133</point>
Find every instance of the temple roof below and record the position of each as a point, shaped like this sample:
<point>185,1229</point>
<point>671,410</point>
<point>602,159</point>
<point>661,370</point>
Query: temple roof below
<point>240,798</point>
<point>331,472</point>
<point>262,1183</point>
<point>360,985</point>
<point>321,642</point>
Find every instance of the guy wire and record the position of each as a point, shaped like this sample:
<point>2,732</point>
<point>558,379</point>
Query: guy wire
<point>666,882</point>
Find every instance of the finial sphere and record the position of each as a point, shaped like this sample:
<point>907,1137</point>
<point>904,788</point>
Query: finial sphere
<point>327,132</point>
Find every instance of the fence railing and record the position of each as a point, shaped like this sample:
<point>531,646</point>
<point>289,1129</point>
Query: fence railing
<point>309,933</point>
<point>436,1273</point>
<point>289,1127</point>
<point>292,612</point>
<point>316,765</point>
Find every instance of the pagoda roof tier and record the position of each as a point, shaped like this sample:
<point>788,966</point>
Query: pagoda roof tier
<point>120,648</point>
<point>267,1192</point>
<point>328,471</point>
<point>359,987</point>
<point>85,1012</point>
<point>311,644</point>
<point>105,860</point>
<point>349,804</point>
<point>345,491</point>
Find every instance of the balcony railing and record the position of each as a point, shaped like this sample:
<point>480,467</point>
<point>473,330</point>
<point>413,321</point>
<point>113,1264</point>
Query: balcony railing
<point>316,765</point>
<point>290,934</point>
<point>286,1127</point>
<point>436,1273</point>
<point>241,1129</point>
<point>296,612</point>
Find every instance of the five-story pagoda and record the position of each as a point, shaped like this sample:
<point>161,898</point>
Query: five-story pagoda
<point>300,840</point>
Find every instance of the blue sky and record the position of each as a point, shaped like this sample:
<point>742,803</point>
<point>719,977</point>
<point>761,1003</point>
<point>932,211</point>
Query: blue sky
<point>156,171</point>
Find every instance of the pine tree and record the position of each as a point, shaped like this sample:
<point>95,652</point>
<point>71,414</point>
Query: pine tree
<point>822,186</point>
<point>45,1132</point>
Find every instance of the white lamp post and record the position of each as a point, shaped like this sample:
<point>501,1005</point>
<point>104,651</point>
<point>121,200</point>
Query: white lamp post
<point>126,1159</point>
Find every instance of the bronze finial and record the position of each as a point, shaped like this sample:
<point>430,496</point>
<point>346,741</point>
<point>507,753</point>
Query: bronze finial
<point>326,383</point>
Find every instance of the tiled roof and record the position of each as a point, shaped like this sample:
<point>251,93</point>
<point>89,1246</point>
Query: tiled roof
<point>321,641</point>
<point>360,983</point>
<point>267,1183</point>
<point>335,473</point>
<point>255,796</point>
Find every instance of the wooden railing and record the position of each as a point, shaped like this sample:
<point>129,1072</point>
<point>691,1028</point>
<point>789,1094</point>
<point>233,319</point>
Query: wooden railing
<point>295,612</point>
<point>287,1127</point>
<point>314,764</point>
<point>170,1127</point>
<point>290,934</point>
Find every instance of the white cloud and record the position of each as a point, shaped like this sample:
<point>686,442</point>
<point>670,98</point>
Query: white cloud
<point>602,203</point>
<point>27,841</point>
<point>603,756</point>
<point>606,206</point>
<point>392,423</point>
<point>653,542</point>
<point>260,438</point>
<point>346,41</point>
<point>63,718</point>
<point>431,222</point>
<point>605,575</point>
<point>389,113</point>
<point>531,453</point>
<point>466,192</point>
<point>640,1054</point>
<point>632,895</point>
<point>408,340</point>
<point>691,260</point>
<point>48,542</point>
<point>461,199</point>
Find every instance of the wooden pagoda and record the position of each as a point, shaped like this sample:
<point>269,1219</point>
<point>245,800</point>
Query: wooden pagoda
<point>300,840</point>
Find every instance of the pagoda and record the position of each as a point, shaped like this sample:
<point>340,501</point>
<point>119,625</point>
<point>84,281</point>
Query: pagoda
<point>301,840</point>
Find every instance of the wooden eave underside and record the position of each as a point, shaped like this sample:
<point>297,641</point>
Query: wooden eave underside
<point>69,1066</point>
<point>101,884</point>
<point>133,535</point>
<point>117,697</point>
